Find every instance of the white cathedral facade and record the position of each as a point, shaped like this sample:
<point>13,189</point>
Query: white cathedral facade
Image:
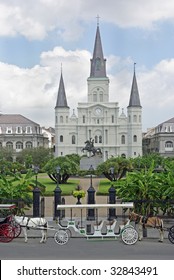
<point>98,119</point>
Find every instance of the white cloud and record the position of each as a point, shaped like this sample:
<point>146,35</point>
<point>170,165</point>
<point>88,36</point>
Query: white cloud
<point>33,92</point>
<point>34,19</point>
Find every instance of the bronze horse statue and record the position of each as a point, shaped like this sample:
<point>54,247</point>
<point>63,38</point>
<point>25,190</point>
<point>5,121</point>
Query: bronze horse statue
<point>90,147</point>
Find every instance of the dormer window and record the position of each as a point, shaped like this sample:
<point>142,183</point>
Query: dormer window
<point>28,129</point>
<point>18,129</point>
<point>9,130</point>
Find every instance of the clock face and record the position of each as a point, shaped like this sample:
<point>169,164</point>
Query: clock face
<point>98,111</point>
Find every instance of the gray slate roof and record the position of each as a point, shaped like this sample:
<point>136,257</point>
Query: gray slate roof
<point>134,97</point>
<point>98,63</point>
<point>15,119</point>
<point>61,97</point>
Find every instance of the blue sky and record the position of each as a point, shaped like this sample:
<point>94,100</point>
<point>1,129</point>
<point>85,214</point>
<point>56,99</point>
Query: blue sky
<point>36,36</point>
<point>147,47</point>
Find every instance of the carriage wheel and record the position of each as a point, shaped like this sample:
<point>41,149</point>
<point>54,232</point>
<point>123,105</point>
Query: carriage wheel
<point>129,236</point>
<point>61,237</point>
<point>16,227</point>
<point>6,233</point>
<point>17,230</point>
<point>171,234</point>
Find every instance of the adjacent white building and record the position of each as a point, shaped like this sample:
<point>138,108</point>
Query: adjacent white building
<point>160,139</point>
<point>18,132</point>
<point>114,132</point>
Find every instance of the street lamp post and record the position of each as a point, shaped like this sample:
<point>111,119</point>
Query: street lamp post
<point>57,194</point>
<point>91,197</point>
<point>36,195</point>
<point>112,197</point>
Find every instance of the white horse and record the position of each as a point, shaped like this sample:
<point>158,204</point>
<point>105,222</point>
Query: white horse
<point>33,223</point>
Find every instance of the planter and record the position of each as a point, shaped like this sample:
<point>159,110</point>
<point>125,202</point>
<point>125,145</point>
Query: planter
<point>78,199</point>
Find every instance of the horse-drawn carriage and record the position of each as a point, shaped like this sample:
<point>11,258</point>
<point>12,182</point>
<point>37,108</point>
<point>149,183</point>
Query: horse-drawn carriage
<point>127,232</point>
<point>11,225</point>
<point>9,228</point>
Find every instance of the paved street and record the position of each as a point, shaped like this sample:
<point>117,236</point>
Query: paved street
<point>80,248</point>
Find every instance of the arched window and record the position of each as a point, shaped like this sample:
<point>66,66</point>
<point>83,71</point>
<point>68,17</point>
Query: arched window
<point>100,139</point>
<point>96,139</point>
<point>29,145</point>
<point>135,138</point>
<point>168,144</point>
<point>123,139</point>
<point>83,118</point>
<point>73,139</point>
<point>61,138</point>
<point>101,97</point>
<point>135,118</point>
<point>94,97</point>
<point>19,145</point>
<point>9,145</point>
<point>61,119</point>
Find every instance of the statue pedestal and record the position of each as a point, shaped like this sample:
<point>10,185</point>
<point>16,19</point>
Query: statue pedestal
<point>86,162</point>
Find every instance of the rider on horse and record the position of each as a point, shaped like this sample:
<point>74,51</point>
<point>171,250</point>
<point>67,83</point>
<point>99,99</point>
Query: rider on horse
<point>90,147</point>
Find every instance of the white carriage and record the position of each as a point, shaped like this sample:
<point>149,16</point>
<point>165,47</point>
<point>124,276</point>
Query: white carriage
<point>127,232</point>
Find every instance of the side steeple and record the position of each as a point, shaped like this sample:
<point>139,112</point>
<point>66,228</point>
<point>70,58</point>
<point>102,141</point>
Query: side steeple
<point>98,63</point>
<point>134,96</point>
<point>61,97</point>
<point>134,125</point>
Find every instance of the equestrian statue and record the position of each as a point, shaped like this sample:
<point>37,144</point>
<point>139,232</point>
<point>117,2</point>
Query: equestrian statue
<point>90,147</point>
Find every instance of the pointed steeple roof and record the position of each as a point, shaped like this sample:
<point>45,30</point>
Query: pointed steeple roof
<point>98,63</point>
<point>61,97</point>
<point>134,96</point>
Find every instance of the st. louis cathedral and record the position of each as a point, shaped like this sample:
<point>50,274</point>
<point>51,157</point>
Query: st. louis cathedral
<point>98,119</point>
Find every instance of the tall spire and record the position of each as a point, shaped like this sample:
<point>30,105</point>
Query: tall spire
<point>61,97</point>
<point>134,97</point>
<point>98,63</point>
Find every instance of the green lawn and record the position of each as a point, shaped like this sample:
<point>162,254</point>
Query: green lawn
<point>67,189</point>
<point>104,186</point>
<point>50,185</point>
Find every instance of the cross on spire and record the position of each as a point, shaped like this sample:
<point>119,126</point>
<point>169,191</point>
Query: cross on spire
<point>134,66</point>
<point>98,18</point>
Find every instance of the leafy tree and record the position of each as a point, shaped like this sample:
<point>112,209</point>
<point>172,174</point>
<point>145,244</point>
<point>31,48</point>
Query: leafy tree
<point>167,192</point>
<point>8,166</point>
<point>67,166</point>
<point>74,157</point>
<point>6,154</point>
<point>142,187</point>
<point>142,162</point>
<point>14,188</point>
<point>114,168</point>
<point>36,156</point>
